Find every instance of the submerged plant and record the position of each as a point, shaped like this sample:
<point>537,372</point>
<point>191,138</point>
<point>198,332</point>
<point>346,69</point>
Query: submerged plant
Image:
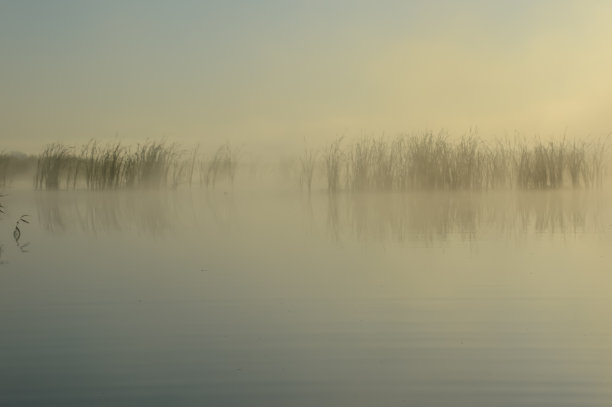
<point>17,230</point>
<point>23,247</point>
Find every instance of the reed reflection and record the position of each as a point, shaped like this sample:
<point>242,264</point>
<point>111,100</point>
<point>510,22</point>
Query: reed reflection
<point>422,217</point>
<point>94,212</point>
<point>438,216</point>
<point>153,213</point>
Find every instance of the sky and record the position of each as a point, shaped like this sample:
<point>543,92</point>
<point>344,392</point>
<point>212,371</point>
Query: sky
<point>274,74</point>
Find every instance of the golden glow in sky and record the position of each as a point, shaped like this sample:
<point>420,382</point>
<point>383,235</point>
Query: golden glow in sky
<point>275,72</point>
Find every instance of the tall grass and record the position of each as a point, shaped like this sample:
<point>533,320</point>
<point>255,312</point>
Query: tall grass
<point>52,165</point>
<point>404,163</point>
<point>222,165</point>
<point>334,158</point>
<point>151,165</point>
<point>307,168</point>
<point>431,161</point>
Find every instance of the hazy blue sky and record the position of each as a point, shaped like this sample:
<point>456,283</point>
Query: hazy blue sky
<point>273,72</point>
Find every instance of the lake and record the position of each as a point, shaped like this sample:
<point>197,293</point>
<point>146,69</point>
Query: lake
<point>253,297</point>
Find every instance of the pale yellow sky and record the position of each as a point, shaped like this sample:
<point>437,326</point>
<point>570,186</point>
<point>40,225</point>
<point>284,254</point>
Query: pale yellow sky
<point>269,74</point>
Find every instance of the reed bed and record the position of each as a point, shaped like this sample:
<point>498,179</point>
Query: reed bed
<point>403,163</point>
<point>431,161</point>
<point>148,165</point>
<point>308,163</point>
<point>221,166</point>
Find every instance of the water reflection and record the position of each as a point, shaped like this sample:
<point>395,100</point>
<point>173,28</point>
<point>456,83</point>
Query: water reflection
<point>423,217</point>
<point>437,216</point>
<point>95,212</point>
<point>22,247</point>
<point>153,213</point>
<point>238,318</point>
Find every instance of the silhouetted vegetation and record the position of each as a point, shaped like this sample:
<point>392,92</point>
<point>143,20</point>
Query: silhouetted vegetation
<point>111,166</point>
<point>222,165</point>
<point>17,230</point>
<point>431,161</point>
<point>23,247</point>
<point>404,163</point>
<point>307,167</point>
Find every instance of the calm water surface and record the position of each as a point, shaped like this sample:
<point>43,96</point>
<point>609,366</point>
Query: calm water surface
<point>276,299</point>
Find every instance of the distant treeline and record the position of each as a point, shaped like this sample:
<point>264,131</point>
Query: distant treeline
<point>431,161</point>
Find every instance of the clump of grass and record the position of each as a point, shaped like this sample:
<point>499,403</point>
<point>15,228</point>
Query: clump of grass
<point>334,158</point>
<point>222,165</point>
<point>153,161</point>
<point>183,170</point>
<point>413,162</point>
<point>307,168</point>
<point>431,161</point>
<point>51,165</point>
<point>150,165</point>
<point>499,165</point>
<point>542,165</point>
<point>106,167</point>
<point>103,167</point>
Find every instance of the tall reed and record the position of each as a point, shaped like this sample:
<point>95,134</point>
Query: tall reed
<point>151,165</point>
<point>52,163</point>
<point>307,168</point>
<point>222,165</point>
<point>334,158</point>
<point>429,161</point>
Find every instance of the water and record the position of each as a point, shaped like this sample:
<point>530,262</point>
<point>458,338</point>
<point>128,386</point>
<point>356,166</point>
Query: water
<point>237,298</point>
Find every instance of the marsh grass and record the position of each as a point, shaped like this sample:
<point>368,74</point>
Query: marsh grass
<point>431,161</point>
<point>151,164</point>
<point>51,166</point>
<point>404,163</point>
<point>334,158</point>
<point>307,167</point>
<point>221,166</point>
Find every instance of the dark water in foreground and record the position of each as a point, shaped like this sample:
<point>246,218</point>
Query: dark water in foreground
<point>253,299</point>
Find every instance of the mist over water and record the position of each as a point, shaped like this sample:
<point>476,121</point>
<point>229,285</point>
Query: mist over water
<point>239,296</point>
<point>304,203</point>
